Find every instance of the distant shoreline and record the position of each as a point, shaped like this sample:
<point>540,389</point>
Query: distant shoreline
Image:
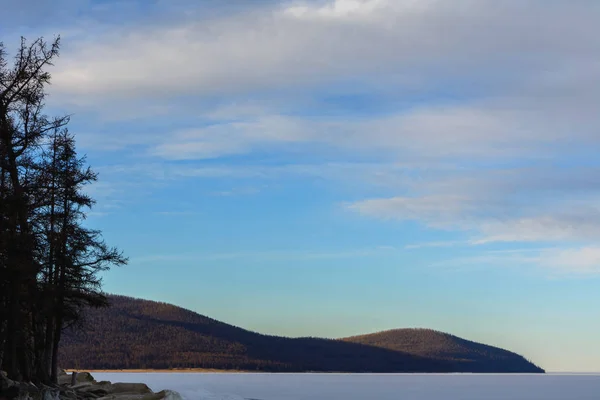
<point>174,370</point>
<point>235,371</point>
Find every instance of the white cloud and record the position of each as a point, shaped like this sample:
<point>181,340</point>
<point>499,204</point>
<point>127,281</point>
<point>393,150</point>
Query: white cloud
<point>341,9</point>
<point>529,67</point>
<point>585,260</point>
<point>506,84</point>
<point>356,174</point>
<point>229,138</point>
<point>556,262</point>
<point>432,133</point>
<point>556,227</point>
<point>437,210</point>
<point>414,43</point>
<point>520,205</point>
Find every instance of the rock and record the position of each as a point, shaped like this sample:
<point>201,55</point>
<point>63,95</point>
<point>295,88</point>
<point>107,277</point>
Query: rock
<point>29,387</point>
<point>91,389</point>
<point>80,377</point>
<point>136,388</point>
<point>64,380</point>
<point>86,388</point>
<point>51,395</point>
<point>5,383</point>
<point>68,394</point>
<point>171,395</point>
<point>84,377</point>
<point>122,391</point>
<point>162,395</point>
<point>11,390</point>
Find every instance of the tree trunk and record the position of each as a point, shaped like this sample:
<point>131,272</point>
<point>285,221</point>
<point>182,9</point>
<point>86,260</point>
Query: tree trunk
<point>22,267</point>
<point>10,346</point>
<point>52,275</point>
<point>57,334</point>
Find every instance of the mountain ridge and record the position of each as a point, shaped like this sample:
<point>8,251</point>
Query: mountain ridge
<point>144,334</point>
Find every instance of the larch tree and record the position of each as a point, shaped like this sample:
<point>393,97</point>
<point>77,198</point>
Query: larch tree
<point>49,260</point>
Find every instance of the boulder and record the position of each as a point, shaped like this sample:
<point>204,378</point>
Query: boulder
<point>80,378</point>
<point>123,391</point>
<point>84,377</point>
<point>136,388</point>
<point>91,389</point>
<point>86,388</point>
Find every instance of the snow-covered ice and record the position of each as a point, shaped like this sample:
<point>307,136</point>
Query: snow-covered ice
<point>224,386</point>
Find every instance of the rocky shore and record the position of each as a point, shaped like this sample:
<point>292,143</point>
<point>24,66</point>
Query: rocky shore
<point>80,386</point>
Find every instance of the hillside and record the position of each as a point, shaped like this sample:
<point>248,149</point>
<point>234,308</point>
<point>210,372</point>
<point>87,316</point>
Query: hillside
<point>473,356</point>
<point>136,333</point>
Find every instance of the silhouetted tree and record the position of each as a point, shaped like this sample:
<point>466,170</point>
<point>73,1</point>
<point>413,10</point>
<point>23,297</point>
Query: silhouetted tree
<point>49,261</point>
<point>79,253</point>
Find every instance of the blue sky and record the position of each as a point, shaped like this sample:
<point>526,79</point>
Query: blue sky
<point>338,167</point>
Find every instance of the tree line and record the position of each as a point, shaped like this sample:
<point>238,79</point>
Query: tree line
<point>49,259</point>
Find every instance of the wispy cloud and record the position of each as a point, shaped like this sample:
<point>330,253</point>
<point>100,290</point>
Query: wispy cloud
<point>517,98</point>
<point>371,173</point>
<point>276,46</point>
<point>584,260</point>
<point>267,255</point>
<point>554,262</point>
<point>448,243</point>
<point>522,205</point>
<point>240,191</point>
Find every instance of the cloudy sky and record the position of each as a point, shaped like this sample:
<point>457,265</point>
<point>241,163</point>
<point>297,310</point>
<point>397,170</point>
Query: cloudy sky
<point>335,167</point>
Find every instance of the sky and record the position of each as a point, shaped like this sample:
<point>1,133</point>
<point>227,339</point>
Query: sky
<point>339,167</point>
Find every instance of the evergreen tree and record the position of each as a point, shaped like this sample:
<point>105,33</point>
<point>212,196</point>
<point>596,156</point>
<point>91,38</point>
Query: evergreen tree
<point>49,258</point>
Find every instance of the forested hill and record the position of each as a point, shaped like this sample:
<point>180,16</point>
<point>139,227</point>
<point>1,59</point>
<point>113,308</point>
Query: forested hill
<point>443,346</point>
<point>137,333</point>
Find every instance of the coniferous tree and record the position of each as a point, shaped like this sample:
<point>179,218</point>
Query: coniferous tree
<point>49,258</point>
<point>80,253</point>
<point>22,128</point>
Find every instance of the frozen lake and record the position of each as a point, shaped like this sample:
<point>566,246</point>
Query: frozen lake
<point>222,386</point>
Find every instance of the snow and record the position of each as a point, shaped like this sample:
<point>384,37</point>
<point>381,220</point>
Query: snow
<point>224,386</point>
